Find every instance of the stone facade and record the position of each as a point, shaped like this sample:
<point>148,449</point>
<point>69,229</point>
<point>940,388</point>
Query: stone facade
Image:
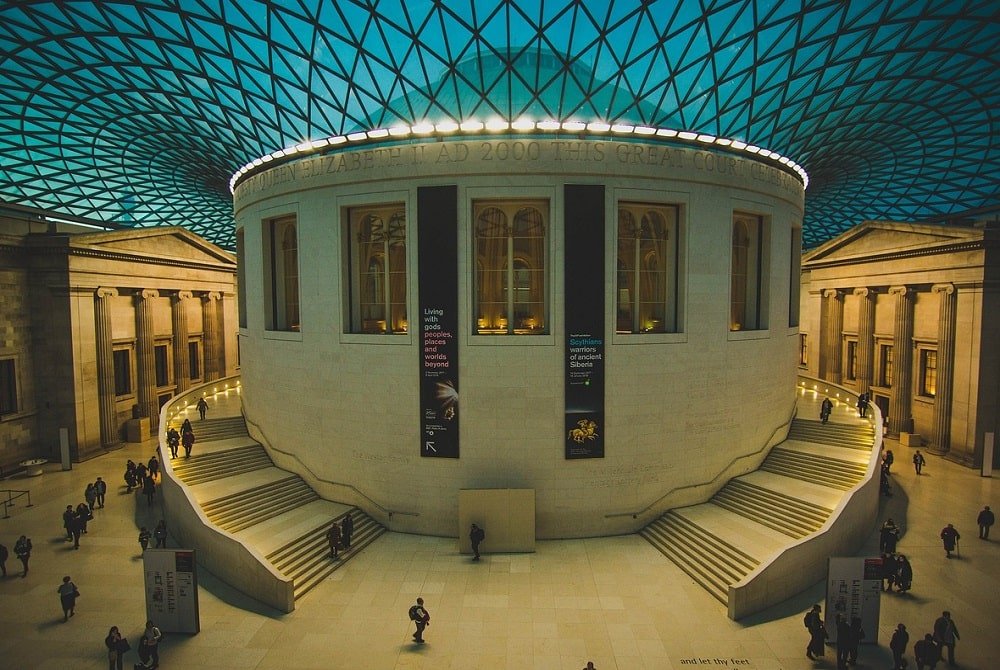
<point>681,407</point>
<point>907,312</point>
<point>89,321</point>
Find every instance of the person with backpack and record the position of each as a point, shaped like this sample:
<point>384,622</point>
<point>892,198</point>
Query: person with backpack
<point>817,633</point>
<point>476,536</point>
<point>22,549</point>
<point>419,616</point>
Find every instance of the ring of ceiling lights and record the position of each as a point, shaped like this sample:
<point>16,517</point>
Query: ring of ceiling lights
<point>447,129</point>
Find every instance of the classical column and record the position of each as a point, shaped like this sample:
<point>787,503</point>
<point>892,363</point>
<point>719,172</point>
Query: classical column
<point>947,306</point>
<point>900,408</point>
<point>146,362</point>
<point>105,367</point>
<point>866,337</point>
<point>834,333</point>
<point>178,319</point>
<point>210,303</point>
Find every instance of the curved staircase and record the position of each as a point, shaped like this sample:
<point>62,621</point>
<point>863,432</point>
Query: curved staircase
<point>240,491</point>
<point>753,517</point>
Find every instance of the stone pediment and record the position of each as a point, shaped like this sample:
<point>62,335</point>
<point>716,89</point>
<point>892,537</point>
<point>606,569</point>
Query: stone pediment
<point>156,243</point>
<point>880,238</point>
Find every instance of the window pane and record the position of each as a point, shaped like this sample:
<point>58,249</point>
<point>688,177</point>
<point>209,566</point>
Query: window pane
<point>377,275</point>
<point>194,358</point>
<point>123,371</point>
<point>647,263</point>
<point>8,387</point>
<point>160,359</point>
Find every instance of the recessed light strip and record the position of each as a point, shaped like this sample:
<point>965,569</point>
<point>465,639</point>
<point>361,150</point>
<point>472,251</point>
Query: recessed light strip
<point>495,125</point>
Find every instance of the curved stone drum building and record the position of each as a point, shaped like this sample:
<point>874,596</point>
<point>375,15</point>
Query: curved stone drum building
<point>608,321</point>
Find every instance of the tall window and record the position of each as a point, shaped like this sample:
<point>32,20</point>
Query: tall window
<point>928,372</point>
<point>748,291</point>
<point>803,349</point>
<point>377,281</point>
<point>851,359</point>
<point>8,386</point>
<point>241,277</point>
<point>283,249</point>
<point>194,359</point>
<point>795,277</point>
<point>161,359</point>
<point>885,365</point>
<point>122,359</point>
<point>511,251</point>
<point>647,295</point>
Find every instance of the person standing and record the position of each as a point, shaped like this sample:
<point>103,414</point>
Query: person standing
<point>22,549</point>
<point>3,559</point>
<point>76,526</point>
<point>985,519</point>
<point>67,597</point>
<point>333,538</point>
<point>347,529</point>
<point>817,633</point>
<point>950,538</point>
<point>187,441</point>
<point>946,634</point>
<point>149,488</point>
<point>918,461</point>
<point>154,466</point>
<point>926,652</point>
<point>202,407</point>
<point>888,537</point>
<point>83,516</point>
<point>904,574</point>
<point>144,538</point>
<point>862,404</point>
<point>149,646</point>
<point>422,618</point>
<point>476,536</point>
<point>887,460</point>
<point>160,534</point>
<point>68,517</point>
<point>900,638</point>
<point>843,641</point>
<point>101,487</point>
<point>857,634</point>
<point>117,646</point>
<point>90,495</point>
<point>825,409</point>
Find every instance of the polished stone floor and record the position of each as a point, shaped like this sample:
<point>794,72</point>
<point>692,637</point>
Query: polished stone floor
<point>614,601</point>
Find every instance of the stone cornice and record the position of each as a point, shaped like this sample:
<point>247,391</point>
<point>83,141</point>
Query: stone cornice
<point>882,255</point>
<point>132,257</point>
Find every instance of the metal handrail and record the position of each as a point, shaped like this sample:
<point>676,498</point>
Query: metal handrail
<point>9,502</point>
<point>388,512</point>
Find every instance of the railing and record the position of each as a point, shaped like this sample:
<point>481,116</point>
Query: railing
<point>723,474</point>
<point>8,502</point>
<point>389,513</point>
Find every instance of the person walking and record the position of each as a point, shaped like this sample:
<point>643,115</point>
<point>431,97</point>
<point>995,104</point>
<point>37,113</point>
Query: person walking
<point>476,536</point>
<point>825,408</point>
<point>897,644</point>
<point>68,594</point>
<point>173,441</point>
<point>926,652</point>
<point>888,536</point>
<point>817,633</point>
<point>918,461</point>
<point>22,549</point>
<point>144,538</point>
<point>149,646</point>
<point>950,538</point>
<point>68,516</point>
<point>83,515</point>
<point>101,487</point>
<point>862,404</point>
<point>131,479</point>
<point>422,618</point>
<point>887,460</point>
<point>3,559</point>
<point>346,531</point>
<point>117,646</point>
<point>202,407</point>
<point>187,441</point>
<point>946,634</point>
<point>333,538</point>
<point>76,526</point>
<point>149,488</point>
<point>90,495</point>
<point>857,634</point>
<point>154,466</point>
<point>985,519</point>
<point>160,534</point>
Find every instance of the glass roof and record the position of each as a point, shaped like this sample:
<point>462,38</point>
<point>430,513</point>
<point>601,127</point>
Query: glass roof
<point>139,112</point>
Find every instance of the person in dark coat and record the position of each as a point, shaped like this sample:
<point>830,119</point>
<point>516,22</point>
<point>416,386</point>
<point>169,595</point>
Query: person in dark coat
<point>900,638</point>
<point>140,474</point>
<point>202,407</point>
<point>347,529</point>
<point>817,633</point>
<point>3,559</point>
<point>117,646</point>
<point>101,487</point>
<point>173,441</point>
<point>149,488</point>
<point>333,537</point>
<point>927,652</point>
<point>186,427</point>
<point>22,549</point>
<point>160,534</point>
<point>76,526</point>
<point>946,634</point>
<point>950,537</point>
<point>144,536</point>
<point>83,515</point>
<point>857,634</point>
<point>420,616</point>
<point>131,480</point>
<point>90,495</point>
<point>985,519</point>
<point>862,404</point>
<point>888,536</point>
<point>68,517</point>
<point>843,641</point>
<point>890,567</point>
<point>67,597</point>
<point>476,536</point>
<point>825,409</point>
<point>187,441</point>
<point>919,461</point>
<point>887,460</point>
<point>904,574</point>
<point>154,466</point>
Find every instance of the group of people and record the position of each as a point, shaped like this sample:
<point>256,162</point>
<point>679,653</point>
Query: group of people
<point>149,647</point>
<point>159,534</point>
<point>185,438</point>
<point>22,549</point>
<point>143,477</point>
<point>927,652</point>
<point>339,535</point>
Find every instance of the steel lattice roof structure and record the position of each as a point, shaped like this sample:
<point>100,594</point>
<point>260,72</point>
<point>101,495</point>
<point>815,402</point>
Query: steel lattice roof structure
<point>140,112</point>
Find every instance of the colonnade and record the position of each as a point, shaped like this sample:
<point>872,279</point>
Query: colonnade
<point>900,413</point>
<point>213,358</point>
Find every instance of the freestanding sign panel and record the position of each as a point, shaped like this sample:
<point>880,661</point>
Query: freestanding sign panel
<point>437,247</point>
<point>853,589</point>
<point>583,430</point>
<point>172,589</point>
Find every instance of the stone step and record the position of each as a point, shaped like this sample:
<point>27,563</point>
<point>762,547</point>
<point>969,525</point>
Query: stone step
<point>216,429</point>
<point>247,508</point>
<point>215,465</point>
<point>792,516</point>
<point>858,436</point>
<point>830,472</point>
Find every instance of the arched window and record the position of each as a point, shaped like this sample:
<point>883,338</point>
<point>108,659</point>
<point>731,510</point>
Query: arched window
<point>748,276</point>
<point>377,275</point>
<point>648,273</point>
<point>510,290</point>
<point>283,284</point>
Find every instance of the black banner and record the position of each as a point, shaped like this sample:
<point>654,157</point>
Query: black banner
<point>584,289</point>
<point>437,269</point>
